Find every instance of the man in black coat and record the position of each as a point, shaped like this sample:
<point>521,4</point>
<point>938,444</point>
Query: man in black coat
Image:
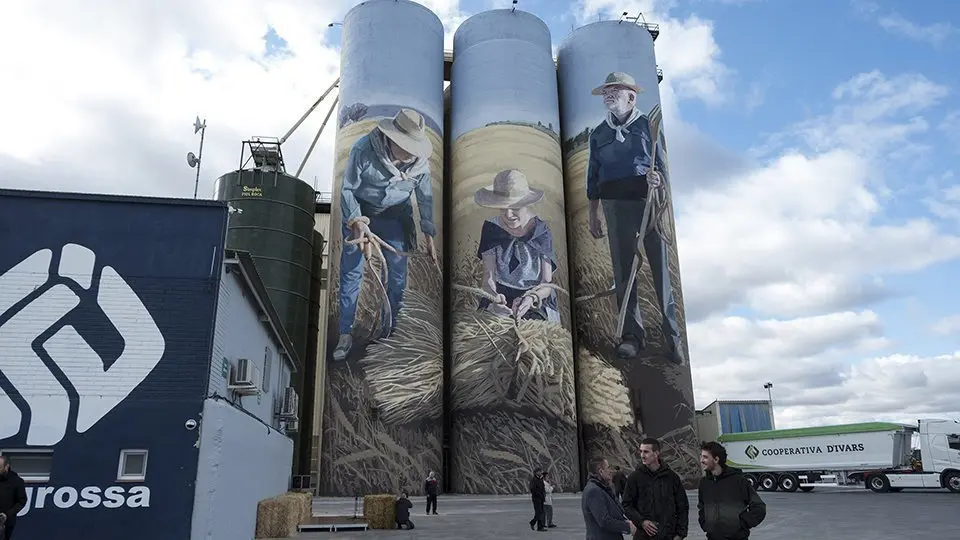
<point>654,497</point>
<point>603,516</point>
<point>13,496</point>
<point>728,506</point>
<point>431,488</point>
<point>538,492</point>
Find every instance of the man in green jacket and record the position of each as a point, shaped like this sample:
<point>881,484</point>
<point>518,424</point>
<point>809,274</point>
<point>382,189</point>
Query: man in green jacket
<point>728,505</point>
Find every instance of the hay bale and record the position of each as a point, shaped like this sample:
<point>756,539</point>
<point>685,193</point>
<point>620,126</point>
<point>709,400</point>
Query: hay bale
<point>304,501</point>
<point>278,517</point>
<point>405,371</point>
<point>495,452</point>
<point>604,396</point>
<point>486,373</point>
<point>380,511</point>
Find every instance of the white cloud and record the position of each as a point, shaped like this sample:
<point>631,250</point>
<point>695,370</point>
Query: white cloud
<point>934,33</point>
<point>813,381</point>
<point>804,237</point>
<point>948,326</point>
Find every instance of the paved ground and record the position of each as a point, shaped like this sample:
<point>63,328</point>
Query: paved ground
<point>825,514</point>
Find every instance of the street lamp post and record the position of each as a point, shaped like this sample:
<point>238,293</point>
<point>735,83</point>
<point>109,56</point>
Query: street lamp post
<point>769,387</point>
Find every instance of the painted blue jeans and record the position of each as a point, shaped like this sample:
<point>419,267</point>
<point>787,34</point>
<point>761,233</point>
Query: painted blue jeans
<point>392,232</point>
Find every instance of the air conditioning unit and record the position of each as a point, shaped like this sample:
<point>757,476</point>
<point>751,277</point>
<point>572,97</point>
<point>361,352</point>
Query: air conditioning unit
<point>292,425</point>
<point>244,377</point>
<point>290,403</point>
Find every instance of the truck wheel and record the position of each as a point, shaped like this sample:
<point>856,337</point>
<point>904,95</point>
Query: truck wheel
<point>878,483</point>
<point>788,482</point>
<point>952,481</point>
<point>752,480</point>
<point>768,482</point>
<point>806,489</point>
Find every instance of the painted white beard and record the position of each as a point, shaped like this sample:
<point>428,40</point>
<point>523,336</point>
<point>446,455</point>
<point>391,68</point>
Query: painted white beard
<point>619,109</point>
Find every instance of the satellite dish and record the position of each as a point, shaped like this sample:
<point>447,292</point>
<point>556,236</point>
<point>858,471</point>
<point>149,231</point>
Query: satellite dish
<point>192,160</point>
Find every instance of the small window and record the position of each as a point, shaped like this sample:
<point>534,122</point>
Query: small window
<point>953,441</point>
<point>31,465</point>
<point>133,466</point>
<point>267,367</point>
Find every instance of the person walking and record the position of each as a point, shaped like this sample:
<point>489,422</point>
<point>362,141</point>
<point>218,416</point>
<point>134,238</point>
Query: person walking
<point>548,501</point>
<point>13,497</point>
<point>431,489</point>
<point>602,514</point>
<point>728,506</point>
<point>538,494</point>
<point>654,497</point>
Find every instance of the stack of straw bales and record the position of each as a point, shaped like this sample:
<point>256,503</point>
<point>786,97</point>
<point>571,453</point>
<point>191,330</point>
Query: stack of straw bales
<point>487,374</point>
<point>604,397</point>
<point>278,517</point>
<point>380,511</point>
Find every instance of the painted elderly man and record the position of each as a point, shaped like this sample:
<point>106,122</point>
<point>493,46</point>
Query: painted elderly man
<point>385,168</point>
<point>619,177</point>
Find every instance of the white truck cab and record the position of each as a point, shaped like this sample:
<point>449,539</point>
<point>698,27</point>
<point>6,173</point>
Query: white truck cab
<point>938,466</point>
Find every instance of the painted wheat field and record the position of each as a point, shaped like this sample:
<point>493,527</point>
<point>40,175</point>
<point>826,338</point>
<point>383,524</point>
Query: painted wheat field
<point>512,387</point>
<point>382,415</point>
<point>660,393</point>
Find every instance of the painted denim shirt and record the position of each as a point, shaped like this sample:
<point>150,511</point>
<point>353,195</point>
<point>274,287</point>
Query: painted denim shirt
<point>366,179</point>
<point>611,160</point>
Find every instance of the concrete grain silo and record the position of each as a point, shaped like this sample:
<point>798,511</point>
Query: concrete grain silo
<point>382,425</point>
<point>512,391</point>
<point>634,377</point>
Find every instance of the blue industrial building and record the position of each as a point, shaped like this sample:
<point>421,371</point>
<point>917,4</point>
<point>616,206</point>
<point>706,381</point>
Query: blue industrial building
<point>144,373</point>
<point>722,417</point>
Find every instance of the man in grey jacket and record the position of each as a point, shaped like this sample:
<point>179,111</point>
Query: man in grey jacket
<point>602,514</point>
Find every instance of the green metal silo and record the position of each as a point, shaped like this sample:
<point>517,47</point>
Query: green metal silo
<point>272,218</point>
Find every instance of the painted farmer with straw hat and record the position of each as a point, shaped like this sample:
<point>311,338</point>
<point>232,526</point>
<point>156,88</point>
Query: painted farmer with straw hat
<point>620,178</point>
<point>516,250</point>
<point>384,169</point>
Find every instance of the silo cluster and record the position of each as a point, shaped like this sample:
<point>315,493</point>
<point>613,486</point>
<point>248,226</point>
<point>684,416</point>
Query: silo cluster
<point>514,304</point>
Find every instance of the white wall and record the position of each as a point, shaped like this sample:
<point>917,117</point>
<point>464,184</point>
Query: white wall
<point>240,334</point>
<point>241,463</point>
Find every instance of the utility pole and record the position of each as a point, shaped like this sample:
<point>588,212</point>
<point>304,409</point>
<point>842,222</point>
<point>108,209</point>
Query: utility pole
<point>194,160</point>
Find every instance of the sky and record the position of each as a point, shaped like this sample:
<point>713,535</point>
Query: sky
<point>814,155</point>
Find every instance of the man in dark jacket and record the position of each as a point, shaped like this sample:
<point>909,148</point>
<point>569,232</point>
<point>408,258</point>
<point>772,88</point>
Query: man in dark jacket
<point>13,496</point>
<point>654,497</point>
<point>728,505</point>
<point>402,511</point>
<point>431,488</point>
<point>602,513</point>
<point>538,493</point>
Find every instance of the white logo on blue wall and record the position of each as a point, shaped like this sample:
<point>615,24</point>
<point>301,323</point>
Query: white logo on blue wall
<point>54,293</point>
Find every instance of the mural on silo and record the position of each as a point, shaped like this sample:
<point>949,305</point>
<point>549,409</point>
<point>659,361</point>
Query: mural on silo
<point>634,375</point>
<point>382,420</point>
<point>512,374</point>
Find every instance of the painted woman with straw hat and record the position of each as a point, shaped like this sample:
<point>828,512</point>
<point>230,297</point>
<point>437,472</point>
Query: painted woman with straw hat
<point>516,249</point>
<point>385,168</point>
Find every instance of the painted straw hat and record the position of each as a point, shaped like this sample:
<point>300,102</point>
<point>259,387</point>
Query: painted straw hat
<point>509,190</point>
<point>407,130</point>
<point>618,78</point>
